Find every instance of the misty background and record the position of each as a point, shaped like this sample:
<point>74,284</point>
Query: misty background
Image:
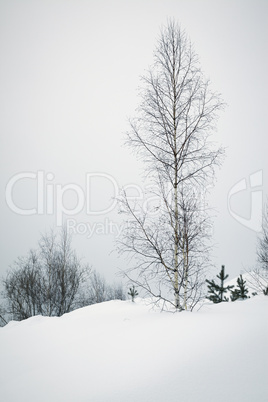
<point>69,78</point>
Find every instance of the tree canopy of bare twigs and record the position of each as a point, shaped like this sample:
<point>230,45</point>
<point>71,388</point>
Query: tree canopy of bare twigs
<point>258,276</point>
<point>47,281</point>
<point>97,290</point>
<point>52,281</point>
<point>168,242</point>
<point>262,248</point>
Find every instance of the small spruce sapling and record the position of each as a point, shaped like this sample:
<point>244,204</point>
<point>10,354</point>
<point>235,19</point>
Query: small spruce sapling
<point>216,292</point>
<point>133,293</point>
<point>241,291</point>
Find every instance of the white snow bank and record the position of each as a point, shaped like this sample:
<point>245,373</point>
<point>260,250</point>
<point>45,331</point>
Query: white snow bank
<point>120,351</point>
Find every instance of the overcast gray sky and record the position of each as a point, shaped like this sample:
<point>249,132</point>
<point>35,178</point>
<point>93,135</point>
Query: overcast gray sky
<point>69,75</point>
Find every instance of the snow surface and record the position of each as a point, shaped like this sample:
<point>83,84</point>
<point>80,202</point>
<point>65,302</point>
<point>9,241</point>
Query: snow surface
<point>121,351</point>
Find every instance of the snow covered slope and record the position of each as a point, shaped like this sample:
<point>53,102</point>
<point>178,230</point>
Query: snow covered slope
<point>120,351</point>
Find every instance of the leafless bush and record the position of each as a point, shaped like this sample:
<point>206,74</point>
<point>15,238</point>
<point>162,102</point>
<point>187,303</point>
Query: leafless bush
<point>98,291</point>
<point>257,279</point>
<point>258,276</point>
<point>262,248</point>
<point>116,292</point>
<point>47,281</point>
<point>3,320</point>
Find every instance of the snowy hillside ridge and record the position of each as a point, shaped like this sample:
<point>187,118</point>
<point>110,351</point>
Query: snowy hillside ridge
<point>121,351</point>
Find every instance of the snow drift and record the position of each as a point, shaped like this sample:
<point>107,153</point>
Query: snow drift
<point>121,351</point>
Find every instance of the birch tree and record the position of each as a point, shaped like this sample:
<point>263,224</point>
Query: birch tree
<point>172,135</point>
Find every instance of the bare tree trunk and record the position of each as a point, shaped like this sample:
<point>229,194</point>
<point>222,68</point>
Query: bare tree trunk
<point>186,273</point>
<point>176,248</point>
